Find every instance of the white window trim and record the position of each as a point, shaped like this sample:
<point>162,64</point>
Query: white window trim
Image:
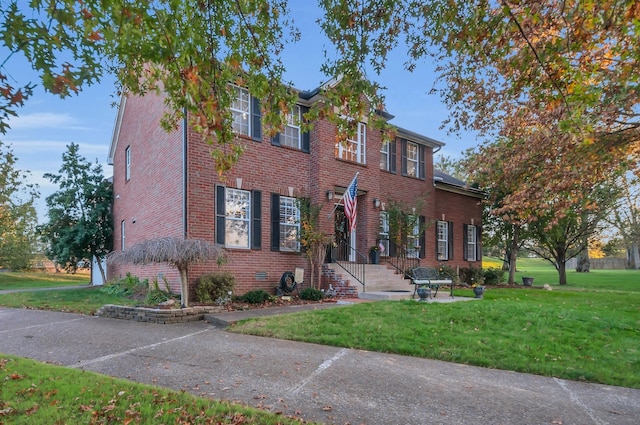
<point>384,232</point>
<point>443,228</point>
<point>246,114</point>
<point>359,145</point>
<point>231,216</point>
<point>122,235</point>
<point>471,242</point>
<point>411,160</point>
<point>384,153</point>
<point>293,223</point>
<point>294,119</point>
<point>127,163</point>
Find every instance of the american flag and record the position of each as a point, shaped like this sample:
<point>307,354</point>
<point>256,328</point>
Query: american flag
<point>350,202</point>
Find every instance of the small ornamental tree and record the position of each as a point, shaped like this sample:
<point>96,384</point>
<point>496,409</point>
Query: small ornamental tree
<point>313,241</point>
<point>177,252</point>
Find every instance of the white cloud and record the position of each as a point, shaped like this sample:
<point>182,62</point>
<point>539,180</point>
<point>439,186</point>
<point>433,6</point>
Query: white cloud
<point>39,120</point>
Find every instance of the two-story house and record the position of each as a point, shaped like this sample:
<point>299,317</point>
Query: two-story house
<point>165,184</point>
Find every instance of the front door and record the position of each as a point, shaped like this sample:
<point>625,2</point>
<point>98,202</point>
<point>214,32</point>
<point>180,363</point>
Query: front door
<point>343,237</point>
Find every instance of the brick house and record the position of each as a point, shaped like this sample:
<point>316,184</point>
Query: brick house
<point>165,184</point>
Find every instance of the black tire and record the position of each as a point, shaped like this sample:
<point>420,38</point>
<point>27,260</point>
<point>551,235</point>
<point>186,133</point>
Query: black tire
<point>288,282</point>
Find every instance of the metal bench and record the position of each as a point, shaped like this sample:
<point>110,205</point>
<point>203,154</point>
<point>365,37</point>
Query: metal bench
<point>428,276</point>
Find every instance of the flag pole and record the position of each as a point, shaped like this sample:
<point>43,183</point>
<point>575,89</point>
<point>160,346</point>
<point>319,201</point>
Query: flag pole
<point>336,205</point>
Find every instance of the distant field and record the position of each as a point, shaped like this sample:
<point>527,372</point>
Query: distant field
<point>543,272</point>
<point>29,280</point>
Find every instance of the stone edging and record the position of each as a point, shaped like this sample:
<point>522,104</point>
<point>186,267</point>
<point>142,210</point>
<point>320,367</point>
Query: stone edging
<point>157,315</point>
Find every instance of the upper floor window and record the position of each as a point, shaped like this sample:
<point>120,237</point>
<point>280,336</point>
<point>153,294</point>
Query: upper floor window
<point>413,160</point>
<point>291,136</point>
<point>127,163</point>
<point>354,149</point>
<point>245,110</point>
<point>471,243</point>
<point>289,224</point>
<point>388,156</point>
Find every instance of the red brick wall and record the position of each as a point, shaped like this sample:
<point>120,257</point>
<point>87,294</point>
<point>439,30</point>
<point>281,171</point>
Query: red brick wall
<point>153,196</point>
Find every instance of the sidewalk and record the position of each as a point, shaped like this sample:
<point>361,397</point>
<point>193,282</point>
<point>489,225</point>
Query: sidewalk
<point>329,385</point>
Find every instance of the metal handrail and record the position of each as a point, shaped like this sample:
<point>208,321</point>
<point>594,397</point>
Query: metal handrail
<point>403,264</point>
<point>356,268</point>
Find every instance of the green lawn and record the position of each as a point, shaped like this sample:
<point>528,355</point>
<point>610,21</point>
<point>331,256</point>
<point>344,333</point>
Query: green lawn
<point>27,280</point>
<point>586,331</point>
<point>37,393</point>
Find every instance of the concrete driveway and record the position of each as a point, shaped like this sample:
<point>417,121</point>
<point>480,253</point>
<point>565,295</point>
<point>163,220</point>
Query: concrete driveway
<point>324,384</point>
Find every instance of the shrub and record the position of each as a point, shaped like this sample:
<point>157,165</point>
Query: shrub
<point>311,294</point>
<point>255,297</point>
<point>471,275</point>
<point>493,276</point>
<point>215,287</point>
<point>156,295</point>
<point>127,286</point>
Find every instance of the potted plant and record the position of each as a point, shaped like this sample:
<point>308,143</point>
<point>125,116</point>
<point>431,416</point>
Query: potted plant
<point>374,255</point>
<point>478,290</point>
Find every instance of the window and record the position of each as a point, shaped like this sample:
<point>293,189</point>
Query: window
<point>237,218</point>
<point>388,156</point>
<point>413,239</point>
<point>289,224</point>
<point>291,136</point>
<point>471,242</point>
<point>240,110</point>
<point>442,240</point>
<point>384,232</point>
<point>127,163</point>
<point>245,110</point>
<point>413,160</point>
<point>122,235</point>
<point>354,150</point>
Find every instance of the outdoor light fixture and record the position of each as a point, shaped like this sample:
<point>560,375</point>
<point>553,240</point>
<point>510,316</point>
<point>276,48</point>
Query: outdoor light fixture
<point>329,194</point>
<point>376,202</point>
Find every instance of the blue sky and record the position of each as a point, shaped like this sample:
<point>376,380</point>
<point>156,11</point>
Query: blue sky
<point>46,124</point>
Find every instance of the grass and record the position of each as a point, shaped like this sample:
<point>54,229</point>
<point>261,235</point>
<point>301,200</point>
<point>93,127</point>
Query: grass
<point>584,334</point>
<point>31,280</point>
<point>82,300</point>
<point>36,393</point>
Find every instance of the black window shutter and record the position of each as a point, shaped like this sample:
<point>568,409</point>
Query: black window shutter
<point>465,242</point>
<point>256,219</point>
<point>421,166</point>
<point>306,136</point>
<point>478,243</point>
<point>275,140</point>
<point>450,244</point>
<point>392,156</point>
<point>404,156</point>
<point>220,214</point>
<point>423,238</point>
<point>256,120</point>
<point>275,222</point>
<point>392,248</point>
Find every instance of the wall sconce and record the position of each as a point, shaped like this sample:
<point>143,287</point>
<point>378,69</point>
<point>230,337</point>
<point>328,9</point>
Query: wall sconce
<point>290,191</point>
<point>376,202</point>
<point>472,221</point>
<point>238,182</point>
<point>443,217</point>
<point>329,194</point>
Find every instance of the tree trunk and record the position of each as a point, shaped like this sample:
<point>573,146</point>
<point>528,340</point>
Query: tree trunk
<point>634,257</point>
<point>513,254</point>
<point>583,264</point>
<point>184,288</point>
<point>562,272</point>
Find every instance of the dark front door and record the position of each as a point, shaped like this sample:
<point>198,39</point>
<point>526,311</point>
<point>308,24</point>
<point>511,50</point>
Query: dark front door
<point>342,236</point>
